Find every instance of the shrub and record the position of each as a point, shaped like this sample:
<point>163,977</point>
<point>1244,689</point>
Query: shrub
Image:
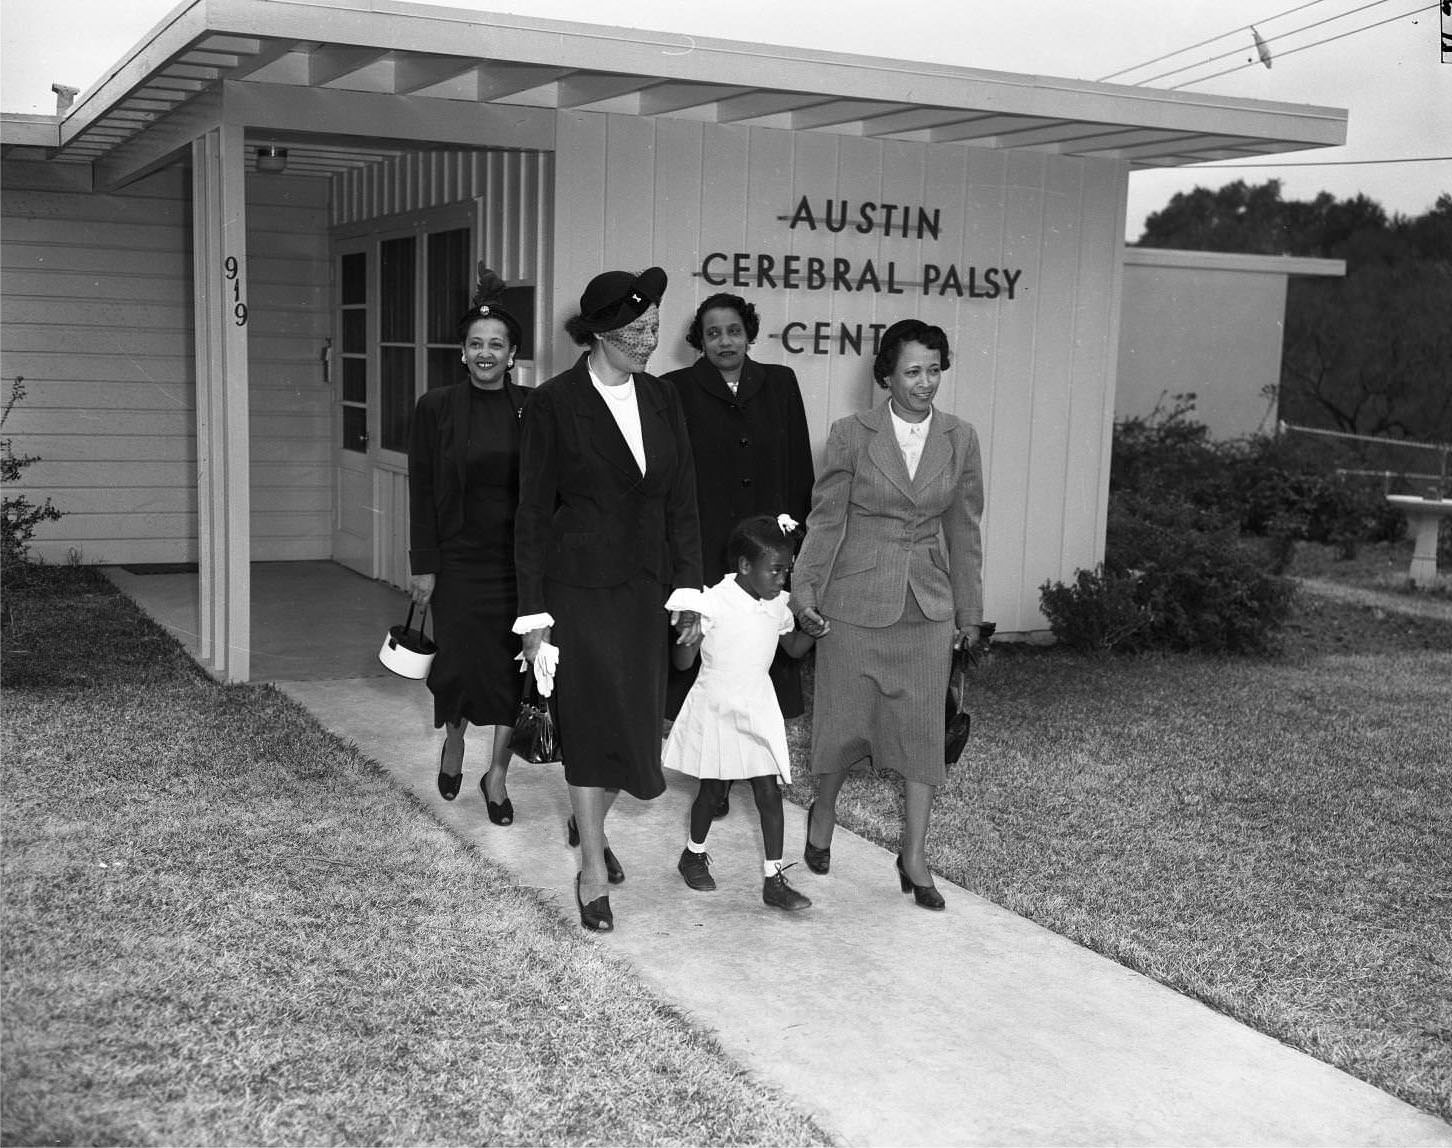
<point>1289,489</point>
<point>1284,488</point>
<point>1099,613</point>
<point>18,515</point>
<point>1166,585</point>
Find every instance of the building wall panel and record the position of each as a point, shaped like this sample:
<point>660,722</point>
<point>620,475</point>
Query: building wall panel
<point>1033,373</point>
<point>1229,315</point>
<point>97,295</point>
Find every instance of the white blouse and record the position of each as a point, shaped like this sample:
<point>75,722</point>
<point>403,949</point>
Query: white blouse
<point>623,406</point>
<point>911,437</point>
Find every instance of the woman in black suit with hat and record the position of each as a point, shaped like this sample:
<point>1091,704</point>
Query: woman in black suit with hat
<point>607,546</point>
<point>463,485</point>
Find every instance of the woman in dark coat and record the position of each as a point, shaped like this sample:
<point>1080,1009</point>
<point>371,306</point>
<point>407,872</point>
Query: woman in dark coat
<point>752,449</point>
<point>608,548</point>
<point>463,484</point>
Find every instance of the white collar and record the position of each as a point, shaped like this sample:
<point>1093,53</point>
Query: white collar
<point>618,393</point>
<point>905,428</point>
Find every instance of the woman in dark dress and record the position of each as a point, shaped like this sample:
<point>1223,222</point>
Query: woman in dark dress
<point>463,487</point>
<point>753,456</point>
<point>608,549</point>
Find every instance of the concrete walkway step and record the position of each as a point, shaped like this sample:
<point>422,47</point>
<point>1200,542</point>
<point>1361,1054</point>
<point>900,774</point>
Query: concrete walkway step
<point>890,1024</point>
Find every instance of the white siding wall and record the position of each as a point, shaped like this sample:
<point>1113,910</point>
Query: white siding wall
<point>97,297</point>
<point>97,305</point>
<point>1034,374</point>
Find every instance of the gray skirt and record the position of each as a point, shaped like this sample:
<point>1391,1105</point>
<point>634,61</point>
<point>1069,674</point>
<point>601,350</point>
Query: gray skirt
<point>878,696</point>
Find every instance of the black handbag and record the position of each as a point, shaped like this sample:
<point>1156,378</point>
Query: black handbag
<point>958,720</point>
<point>535,738</point>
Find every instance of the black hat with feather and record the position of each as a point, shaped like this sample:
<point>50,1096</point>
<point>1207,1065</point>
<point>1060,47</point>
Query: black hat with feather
<point>488,303</point>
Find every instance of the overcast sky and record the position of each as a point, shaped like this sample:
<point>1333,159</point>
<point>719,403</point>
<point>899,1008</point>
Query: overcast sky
<point>1390,77</point>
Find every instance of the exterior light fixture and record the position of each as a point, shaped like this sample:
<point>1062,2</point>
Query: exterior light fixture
<point>272,159</point>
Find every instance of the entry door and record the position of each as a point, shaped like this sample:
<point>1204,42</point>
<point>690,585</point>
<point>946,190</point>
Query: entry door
<point>399,295</point>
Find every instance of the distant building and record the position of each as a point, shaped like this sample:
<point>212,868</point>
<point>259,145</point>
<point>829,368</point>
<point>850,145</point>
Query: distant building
<point>1207,324</point>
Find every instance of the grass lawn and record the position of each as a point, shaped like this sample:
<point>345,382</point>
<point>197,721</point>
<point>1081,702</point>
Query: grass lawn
<point>1379,566</point>
<point>225,926</point>
<point>1271,836</point>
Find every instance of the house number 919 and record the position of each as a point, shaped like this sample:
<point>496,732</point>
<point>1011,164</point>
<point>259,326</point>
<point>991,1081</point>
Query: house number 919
<point>239,308</point>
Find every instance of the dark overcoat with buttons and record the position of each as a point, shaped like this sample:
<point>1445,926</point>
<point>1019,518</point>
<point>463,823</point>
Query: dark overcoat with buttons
<point>752,450</point>
<point>753,455</point>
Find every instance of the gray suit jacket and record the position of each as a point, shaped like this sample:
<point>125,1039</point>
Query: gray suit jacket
<point>873,531</point>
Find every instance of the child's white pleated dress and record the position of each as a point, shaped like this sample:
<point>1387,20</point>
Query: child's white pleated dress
<point>730,725</point>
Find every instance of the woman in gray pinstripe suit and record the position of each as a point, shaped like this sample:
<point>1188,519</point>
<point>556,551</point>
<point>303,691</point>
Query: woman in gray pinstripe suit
<point>894,558</point>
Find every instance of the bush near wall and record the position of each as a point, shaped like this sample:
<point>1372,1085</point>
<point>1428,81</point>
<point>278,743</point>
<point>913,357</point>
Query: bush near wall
<point>1168,584</point>
<point>1177,573</point>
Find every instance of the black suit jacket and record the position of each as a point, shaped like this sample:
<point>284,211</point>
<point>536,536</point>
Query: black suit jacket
<point>587,517</point>
<point>752,450</point>
<point>438,448</point>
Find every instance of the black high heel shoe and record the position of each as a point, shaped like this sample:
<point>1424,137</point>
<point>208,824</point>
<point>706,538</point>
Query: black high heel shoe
<point>613,869</point>
<point>596,916</point>
<point>500,812</point>
<point>925,895</point>
<point>449,782</point>
<point>818,860</point>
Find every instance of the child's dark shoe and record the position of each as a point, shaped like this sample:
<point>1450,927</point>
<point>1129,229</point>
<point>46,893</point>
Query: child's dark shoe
<point>696,869</point>
<point>777,892</point>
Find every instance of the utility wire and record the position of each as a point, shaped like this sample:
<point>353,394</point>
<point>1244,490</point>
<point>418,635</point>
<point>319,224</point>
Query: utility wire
<point>1269,40</point>
<point>1303,47</point>
<point>1330,162</point>
<point>1202,43</point>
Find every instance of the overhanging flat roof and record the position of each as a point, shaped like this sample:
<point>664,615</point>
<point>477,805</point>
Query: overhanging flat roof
<point>438,60</point>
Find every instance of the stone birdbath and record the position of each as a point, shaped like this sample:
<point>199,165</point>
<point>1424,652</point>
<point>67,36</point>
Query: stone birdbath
<point>1424,515</point>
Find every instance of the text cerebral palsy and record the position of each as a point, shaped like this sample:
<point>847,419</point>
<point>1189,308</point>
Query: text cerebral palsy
<point>874,272</point>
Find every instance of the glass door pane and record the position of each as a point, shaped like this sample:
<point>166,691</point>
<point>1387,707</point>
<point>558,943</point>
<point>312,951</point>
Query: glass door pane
<point>353,349</point>
<point>396,349</point>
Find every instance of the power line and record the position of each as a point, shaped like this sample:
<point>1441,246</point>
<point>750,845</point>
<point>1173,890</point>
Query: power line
<point>1313,44</point>
<point>1328,162</point>
<point>1202,43</point>
<point>1269,40</point>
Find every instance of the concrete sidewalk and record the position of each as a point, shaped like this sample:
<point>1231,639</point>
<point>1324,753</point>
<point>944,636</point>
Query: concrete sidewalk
<point>890,1024</point>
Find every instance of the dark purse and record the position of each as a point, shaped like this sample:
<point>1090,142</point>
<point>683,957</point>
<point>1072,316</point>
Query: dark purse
<point>957,718</point>
<point>535,738</point>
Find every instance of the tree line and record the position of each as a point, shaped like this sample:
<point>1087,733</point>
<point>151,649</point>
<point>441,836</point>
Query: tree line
<point>1370,353</point>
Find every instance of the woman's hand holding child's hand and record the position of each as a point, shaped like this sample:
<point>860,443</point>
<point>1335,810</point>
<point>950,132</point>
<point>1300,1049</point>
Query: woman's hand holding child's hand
<point>688,628</point>
<point>812,624</point>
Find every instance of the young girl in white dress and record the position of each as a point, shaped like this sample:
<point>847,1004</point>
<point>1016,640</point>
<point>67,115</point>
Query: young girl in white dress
<point>730,726</point>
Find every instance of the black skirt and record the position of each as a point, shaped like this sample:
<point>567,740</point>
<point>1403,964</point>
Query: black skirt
<point>614,646</point>
<point>474,677</point>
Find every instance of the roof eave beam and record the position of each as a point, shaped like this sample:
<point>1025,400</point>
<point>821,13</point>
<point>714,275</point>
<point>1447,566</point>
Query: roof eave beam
<point>158,145</point>
<point>405,118</point>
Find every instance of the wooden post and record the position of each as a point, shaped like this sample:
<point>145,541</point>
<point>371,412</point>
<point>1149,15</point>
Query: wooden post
<point>219,219</point>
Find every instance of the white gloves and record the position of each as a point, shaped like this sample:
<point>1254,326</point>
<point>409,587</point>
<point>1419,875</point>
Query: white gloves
<point>544,667</point>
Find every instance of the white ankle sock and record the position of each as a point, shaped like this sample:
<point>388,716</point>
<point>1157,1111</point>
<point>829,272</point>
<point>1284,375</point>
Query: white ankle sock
<point>694,848</point>
<point>771,868</point>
